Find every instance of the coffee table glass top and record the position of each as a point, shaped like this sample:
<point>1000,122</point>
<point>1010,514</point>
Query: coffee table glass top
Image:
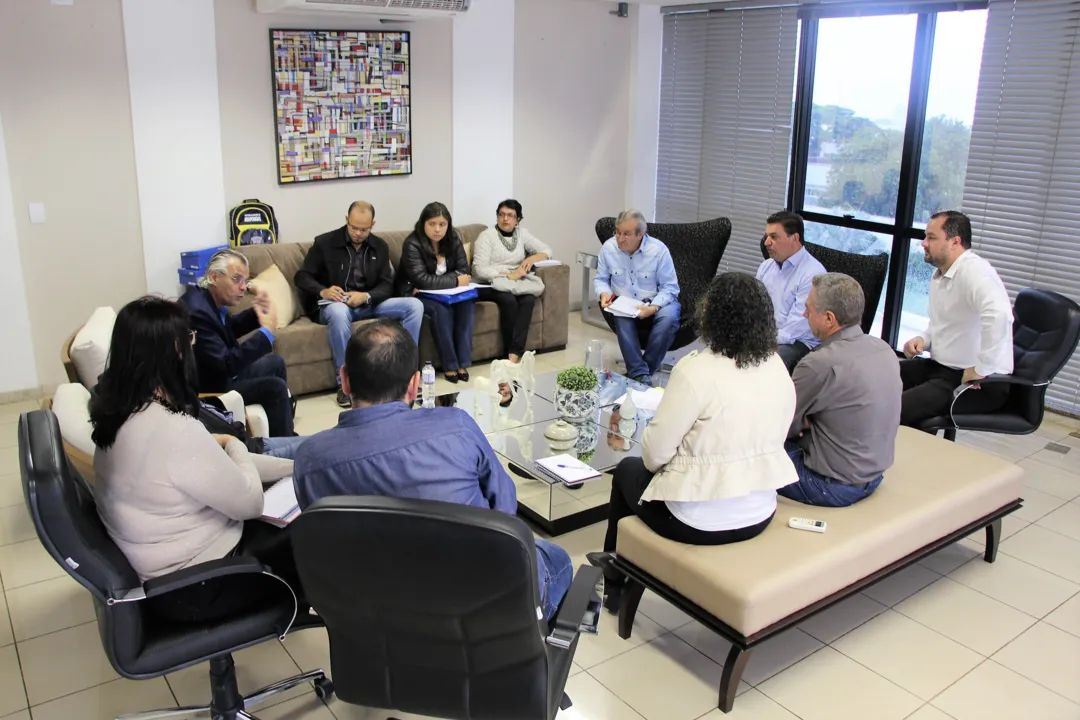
<point>612,386</point>
<point>513,409</point>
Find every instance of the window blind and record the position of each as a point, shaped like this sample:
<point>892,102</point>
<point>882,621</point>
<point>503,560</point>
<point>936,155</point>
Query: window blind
<point>1022,189</point>
<point>726,105</point>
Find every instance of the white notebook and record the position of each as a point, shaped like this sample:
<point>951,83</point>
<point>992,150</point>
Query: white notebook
<point>547,263</point>
<point>567,469</point>
<point>624,306</point>
<point>279,503</point>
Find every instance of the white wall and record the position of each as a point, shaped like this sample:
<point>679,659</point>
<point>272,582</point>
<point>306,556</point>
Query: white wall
<point>18,371</point>
<point>172,74</point>
<point>646,56</point>
<point>483,110</point>
<point>305,210</point>
<point>573,73</point>
<point>67,129</point>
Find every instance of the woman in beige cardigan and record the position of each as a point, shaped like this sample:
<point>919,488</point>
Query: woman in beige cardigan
<point>169,493</point>
<point>713,455</point>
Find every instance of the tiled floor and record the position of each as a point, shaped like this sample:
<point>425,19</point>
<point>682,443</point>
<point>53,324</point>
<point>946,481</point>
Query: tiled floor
<point>951,637</point>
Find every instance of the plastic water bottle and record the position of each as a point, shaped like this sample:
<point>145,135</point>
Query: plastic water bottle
<point>427,381</point>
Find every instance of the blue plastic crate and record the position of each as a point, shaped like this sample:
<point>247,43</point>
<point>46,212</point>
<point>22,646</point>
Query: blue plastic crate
<point>198,259</point>
<point>189,277</point>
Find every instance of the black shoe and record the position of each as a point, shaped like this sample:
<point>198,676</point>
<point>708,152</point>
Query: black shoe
<point>343,400</point>
<point>463,375</point>
<point>451,378</point>
<point>643,379</point>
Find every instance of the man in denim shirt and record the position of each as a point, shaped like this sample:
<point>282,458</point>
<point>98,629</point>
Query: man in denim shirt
<point>788,275</point>
<point>382,447</point>
<point>632,264</point>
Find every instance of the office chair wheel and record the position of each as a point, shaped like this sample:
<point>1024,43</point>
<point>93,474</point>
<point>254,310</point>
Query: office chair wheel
<point>324,688</point>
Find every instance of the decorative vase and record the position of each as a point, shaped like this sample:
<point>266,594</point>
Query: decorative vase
<point>576,405</point>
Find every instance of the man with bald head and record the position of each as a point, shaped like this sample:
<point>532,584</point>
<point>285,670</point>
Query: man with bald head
<point>346,277</point>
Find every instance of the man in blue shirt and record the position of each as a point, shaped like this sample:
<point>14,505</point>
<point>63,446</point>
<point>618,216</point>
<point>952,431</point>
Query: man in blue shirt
<point>224,363</point>
<point>382,447</point>
<point>788,275</point>
<point>634,265</point>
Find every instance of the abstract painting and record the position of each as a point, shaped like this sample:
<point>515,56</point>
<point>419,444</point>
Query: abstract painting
<point>341,104</point>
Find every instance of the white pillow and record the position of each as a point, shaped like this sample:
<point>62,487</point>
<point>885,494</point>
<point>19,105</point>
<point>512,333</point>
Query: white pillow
<point>90,349</point>
<point>71,405</point>
<point>281,295</point>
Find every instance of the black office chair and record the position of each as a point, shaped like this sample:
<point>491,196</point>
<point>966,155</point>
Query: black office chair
<point>696,249</point>
<point>138,643</point>
<point>869,271</point>
<point>432,608</point>
<point>1046,329</point>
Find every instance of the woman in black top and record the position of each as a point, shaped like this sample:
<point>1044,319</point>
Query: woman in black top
<point>433,258</point>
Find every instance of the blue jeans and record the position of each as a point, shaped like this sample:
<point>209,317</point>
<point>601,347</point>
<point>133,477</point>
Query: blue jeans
<point>662,328</point>
<point>281,447</point>
<point>452,328</point>
<point>556,571</point>
<point>339,317</point>
<point>815,489</point>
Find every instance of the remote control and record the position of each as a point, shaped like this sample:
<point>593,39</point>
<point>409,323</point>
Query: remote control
<point>817,526</point>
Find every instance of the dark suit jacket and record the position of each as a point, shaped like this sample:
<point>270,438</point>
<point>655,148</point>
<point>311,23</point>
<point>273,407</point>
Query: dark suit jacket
<point>327,264</point>
<point>219,355</point>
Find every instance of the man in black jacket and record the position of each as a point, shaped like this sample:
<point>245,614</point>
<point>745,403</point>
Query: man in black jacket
<point>251,368</point>
<point>346,277</point>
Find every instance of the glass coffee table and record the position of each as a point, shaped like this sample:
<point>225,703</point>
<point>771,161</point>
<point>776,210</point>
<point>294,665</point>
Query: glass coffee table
<point>514,423</point>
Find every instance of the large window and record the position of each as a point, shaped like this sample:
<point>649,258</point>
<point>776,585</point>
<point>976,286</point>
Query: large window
<point>883,126</point>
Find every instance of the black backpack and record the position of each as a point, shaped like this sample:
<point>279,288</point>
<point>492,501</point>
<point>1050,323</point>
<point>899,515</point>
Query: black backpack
<point>252,223</point>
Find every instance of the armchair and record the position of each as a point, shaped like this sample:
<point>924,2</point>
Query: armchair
<point>1046,329</point>
<point>432,608</point>
<point>696,249</point>
<point>138,643</point>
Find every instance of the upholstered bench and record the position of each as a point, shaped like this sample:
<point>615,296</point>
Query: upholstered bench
<point>936,493</point>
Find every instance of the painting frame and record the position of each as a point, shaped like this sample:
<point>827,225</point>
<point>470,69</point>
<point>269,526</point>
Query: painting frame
<point>330,131</point>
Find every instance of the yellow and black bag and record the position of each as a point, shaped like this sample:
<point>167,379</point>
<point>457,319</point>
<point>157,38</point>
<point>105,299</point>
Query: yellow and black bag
<point>252,223</point>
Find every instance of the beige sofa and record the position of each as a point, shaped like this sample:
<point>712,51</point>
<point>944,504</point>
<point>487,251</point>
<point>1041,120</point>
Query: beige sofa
<point>303,342</point>
<point>936,493</point>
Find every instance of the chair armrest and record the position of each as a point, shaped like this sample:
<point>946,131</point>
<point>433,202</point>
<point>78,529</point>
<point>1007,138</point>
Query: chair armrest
<point>257,422</point>
<point>234,403</point>
<point>212,570</point>
<point>990,379</point>
<point>566,625</point>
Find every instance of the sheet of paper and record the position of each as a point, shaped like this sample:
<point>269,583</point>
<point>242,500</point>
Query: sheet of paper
<point>547,263</point>
<point>645,400</point>
<point>567,468</point>
<point>279,502</point>
<point>624,306</point>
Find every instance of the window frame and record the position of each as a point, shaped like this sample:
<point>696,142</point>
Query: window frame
<point>902,229</point>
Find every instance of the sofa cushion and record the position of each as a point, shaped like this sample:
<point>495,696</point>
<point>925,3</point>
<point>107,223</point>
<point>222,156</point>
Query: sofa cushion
<point>90,348</point>
<point>70,404</point>
<point>934,488</point>
<point>281,294</point>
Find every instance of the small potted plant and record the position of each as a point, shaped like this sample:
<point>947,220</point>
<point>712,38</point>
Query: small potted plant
<point>576,393</point>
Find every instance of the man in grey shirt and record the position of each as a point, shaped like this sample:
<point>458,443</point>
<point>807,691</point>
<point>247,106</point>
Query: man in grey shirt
<point>848,401</point>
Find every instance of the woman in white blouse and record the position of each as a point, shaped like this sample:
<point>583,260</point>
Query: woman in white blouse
<point>713,456</point>
<point>169,493</point>
<point>504,256</point>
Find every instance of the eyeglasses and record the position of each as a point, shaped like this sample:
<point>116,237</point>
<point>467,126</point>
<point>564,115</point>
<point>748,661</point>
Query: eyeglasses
<point>239,279</point>
<point>626,233</point>
<point>358,230</point>
<point>508,215</point>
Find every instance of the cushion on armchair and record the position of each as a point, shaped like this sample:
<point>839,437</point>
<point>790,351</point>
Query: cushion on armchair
<point>90,348</point>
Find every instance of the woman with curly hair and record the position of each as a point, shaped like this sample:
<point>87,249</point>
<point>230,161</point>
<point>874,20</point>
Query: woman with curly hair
<point>713,456</point>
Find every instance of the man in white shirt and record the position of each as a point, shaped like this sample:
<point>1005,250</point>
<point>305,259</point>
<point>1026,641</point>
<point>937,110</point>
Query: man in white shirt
<point>970,332</point>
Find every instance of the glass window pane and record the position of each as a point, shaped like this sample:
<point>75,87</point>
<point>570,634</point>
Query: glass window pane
<point>860,242</point>
<point>861,81</point>
<point>914,316</point>
<point>950,108</point>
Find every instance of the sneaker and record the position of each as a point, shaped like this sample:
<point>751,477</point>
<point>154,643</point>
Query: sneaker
<point>343,400</point>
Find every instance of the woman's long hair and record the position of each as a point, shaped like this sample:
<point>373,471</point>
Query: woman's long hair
<point>431,211</point>
<point>150,357</point>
